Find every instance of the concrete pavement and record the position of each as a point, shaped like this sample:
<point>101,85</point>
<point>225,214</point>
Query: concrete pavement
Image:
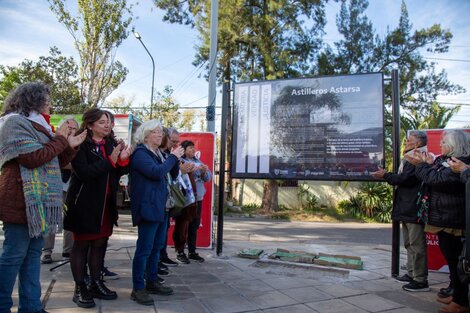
<point>232,284</point>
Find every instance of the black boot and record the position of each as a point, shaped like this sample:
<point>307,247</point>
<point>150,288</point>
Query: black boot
<point>98,290</point>
<point>82,297</point>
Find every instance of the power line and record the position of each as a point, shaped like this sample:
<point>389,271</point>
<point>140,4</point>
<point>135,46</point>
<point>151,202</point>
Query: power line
<point>444,59</point>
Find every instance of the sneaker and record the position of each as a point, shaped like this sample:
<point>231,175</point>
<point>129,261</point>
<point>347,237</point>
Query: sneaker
<point>162,272</point>
<point>108,275</point>
<point>160,280</point>
<point>195,256</point>
<point>415,286</point>
<point>157,288</point>
<point>182,258</point>
<point>141,297</point>
<point>46,259</point>
<point>446,292</point>
<point>162,266</point>
<point>168,262</point>
<point>66,255</point>
<point>404,279</point>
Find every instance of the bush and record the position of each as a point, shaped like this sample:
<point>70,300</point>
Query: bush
<point>373,201</point>
<point>308,201</point>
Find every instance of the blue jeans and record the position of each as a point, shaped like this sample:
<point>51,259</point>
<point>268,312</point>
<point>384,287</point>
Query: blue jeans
<point>21,257</point>
<point>150,240</point>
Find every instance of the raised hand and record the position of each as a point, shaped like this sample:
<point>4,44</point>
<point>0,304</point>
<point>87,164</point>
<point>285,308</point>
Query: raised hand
<point>187,167</point>
<point>115,154</point>
<point>416,157</point>
<point>177,151</point>
<point>126,152</point>
<point>63,130</point>
<point>75,141</point>
<point>456,165</point>
<point>379,173</point>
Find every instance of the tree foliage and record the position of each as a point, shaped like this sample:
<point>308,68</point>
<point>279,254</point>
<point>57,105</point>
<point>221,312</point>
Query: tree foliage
<point>97,30</point>
<point>267,39</point>
<point>60,73</point>
<point>362,50</point>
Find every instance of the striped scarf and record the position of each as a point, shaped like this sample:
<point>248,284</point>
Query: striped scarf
<point>42,186</point>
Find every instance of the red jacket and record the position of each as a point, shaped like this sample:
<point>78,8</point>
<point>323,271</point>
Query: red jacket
<point>13,206</point>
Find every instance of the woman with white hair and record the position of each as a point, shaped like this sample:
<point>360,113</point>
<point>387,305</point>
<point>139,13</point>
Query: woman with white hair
<point>149,193</point>
<point>445,198</point>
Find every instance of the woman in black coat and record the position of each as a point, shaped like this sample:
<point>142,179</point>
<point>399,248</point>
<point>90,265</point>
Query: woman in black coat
<point>91,204</point>
<point>446,207</point>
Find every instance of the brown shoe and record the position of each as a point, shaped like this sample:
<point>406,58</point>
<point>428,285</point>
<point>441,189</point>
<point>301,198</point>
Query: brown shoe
<point>454,308</point>
<point>446,300</point>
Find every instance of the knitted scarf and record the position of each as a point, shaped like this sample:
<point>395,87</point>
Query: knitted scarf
<point>42,186</point>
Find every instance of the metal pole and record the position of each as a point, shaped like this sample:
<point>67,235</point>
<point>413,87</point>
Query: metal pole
<point>396,161</point>
<point>153,76</point>
<point>223,143</point>
<point>210,114</point>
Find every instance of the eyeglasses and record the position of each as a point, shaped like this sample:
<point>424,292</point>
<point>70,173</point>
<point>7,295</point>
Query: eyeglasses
<point>158,132</point>
<point>174,141</point>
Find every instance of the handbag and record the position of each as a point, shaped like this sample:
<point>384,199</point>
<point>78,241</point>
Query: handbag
<point>177,196</point>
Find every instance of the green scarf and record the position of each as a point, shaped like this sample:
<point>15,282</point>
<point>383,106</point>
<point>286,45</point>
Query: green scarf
<point>42,186</point>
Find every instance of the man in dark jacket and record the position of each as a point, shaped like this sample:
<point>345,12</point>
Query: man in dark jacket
<point>405,210</point>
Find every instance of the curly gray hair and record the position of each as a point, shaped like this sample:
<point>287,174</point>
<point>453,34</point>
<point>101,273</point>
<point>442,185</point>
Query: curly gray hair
<point>27,97</point>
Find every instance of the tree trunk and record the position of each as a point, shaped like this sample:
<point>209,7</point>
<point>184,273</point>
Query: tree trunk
<point>270,202</point>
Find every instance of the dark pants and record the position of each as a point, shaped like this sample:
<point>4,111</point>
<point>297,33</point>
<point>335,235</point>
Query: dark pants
<point>451,247</point>
<point>163,252</point>
<point>192,229</point>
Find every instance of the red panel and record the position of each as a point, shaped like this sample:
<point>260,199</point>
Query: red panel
<point>436,260</point>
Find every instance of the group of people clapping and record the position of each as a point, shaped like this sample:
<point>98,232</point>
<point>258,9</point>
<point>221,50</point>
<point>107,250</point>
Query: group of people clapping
<point>32,155</point>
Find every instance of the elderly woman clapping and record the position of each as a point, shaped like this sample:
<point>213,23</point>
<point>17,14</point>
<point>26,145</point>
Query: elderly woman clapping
<point>446,206</point>
<point>150,173</point>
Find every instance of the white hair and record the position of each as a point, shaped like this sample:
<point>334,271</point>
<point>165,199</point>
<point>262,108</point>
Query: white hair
<point>458,142</point>
<point>143,131</point>
<point>67,118</point>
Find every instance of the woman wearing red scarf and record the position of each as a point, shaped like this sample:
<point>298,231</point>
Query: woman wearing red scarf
<point>91,204</point>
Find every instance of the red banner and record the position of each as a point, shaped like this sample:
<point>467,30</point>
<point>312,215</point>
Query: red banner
<point>204,144</point>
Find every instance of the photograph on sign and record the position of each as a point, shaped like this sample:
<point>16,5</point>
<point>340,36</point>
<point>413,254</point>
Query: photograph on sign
<point>326,128</point>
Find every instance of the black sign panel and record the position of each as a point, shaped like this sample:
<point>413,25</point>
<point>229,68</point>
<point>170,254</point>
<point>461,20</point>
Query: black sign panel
<point>326,128</point>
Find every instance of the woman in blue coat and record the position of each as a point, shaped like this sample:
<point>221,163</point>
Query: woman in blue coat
<point>150,173</point>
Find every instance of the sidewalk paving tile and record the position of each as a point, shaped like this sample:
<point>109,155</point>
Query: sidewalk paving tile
<point>271,299</point>
<point>228,304</point>
<point>185,306</point>
<point>372,303</point>
<point>306,294</point>
<point>334,306</point>
<point>340,291</point>
<point>298,308</point>
<point>246,286</point>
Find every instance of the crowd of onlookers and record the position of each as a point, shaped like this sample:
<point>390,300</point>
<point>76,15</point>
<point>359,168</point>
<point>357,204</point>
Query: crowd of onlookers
<point>67,179</point>
<point>430,197</point>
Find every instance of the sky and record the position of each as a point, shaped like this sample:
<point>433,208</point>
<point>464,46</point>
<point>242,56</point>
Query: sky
<point>28,28</point>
